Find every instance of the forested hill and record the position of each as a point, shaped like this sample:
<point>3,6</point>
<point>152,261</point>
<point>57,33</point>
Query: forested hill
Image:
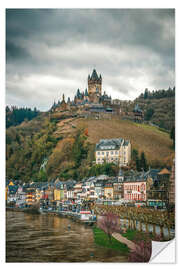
<point>158,107</point>
<point>43,149</point>
<point>51,146</point>
<point>15,115</point>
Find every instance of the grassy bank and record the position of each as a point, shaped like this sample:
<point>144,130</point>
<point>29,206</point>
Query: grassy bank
<point>130,234</point>
<point>101,239</point>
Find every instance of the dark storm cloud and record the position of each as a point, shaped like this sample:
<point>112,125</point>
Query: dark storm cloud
<point>52,51</point>
<point>15,52</point>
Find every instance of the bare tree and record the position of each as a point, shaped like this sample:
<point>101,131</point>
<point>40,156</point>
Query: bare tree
<point>142,253</point>
<point>109,224</point>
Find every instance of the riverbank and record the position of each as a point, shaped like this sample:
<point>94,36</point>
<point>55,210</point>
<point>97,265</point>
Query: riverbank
<point>25,210</point>
<point>66,214</point>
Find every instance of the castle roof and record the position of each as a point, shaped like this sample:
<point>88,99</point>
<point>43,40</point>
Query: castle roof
<point>137,108</point>
<point>94,75</point>
<point>86,92</point>
<point>78,92</point>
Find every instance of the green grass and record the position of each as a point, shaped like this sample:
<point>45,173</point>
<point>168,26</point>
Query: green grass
<point>134,236</point>
<point>130,234</point>
<point>153,128</point>
<point>101,239</point>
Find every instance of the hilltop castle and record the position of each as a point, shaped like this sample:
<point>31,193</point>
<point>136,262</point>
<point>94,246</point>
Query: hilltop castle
<point>91,96</point>
<point>94,102</point>
<point>94,93</point>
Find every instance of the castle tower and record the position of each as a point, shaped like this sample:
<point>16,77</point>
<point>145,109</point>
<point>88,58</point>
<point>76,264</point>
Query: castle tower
<point>63,103</point>
<point>94,86</point>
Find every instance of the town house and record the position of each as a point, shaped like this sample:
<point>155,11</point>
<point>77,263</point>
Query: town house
<point>108,190</point>
<point>135,190</point>
<point>118,190</point>
<point>99,189</point>
<point>77,191</point>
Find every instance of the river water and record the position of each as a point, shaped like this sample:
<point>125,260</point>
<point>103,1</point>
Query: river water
<point>47,238</point>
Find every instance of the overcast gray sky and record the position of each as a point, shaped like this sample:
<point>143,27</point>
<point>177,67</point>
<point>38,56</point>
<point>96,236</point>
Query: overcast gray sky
<point>51,51</point>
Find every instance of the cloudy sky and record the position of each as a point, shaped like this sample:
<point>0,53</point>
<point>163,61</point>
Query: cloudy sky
<point>50,52</point>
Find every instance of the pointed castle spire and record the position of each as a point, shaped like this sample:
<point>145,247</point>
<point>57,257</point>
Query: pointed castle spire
<point>94,75</point>
<point>86,92</point>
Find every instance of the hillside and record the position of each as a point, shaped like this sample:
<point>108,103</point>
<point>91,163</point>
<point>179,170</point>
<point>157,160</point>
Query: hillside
<point>156,144</point>
<point>67,146</point>
<point>164,111</point>
<point>159,111</point>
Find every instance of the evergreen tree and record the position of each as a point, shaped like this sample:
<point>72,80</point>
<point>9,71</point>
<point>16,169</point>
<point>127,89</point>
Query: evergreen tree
<point>143,162</point>
<point>138,164</point>
<point>146,93</point>
<point>134,154</point>
<point>149,113</point>
<point>79,152</point>
<point>172,135</point>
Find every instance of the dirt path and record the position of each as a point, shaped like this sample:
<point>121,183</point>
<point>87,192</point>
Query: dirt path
<point>124,240</point>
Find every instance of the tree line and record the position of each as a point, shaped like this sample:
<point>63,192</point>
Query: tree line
<point>158,93</point>
<point>15,115</point>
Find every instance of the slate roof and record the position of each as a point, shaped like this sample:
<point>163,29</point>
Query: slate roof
<point>97,109</point>
<point>86,92</point>
<point>102,177</point>
<point>105,144</point>
<point>99,183</point>
<point>13,189</point>
<point>94,75</point>
<point>126,142</point>
<point>137,108</point>
<point>152,173</point>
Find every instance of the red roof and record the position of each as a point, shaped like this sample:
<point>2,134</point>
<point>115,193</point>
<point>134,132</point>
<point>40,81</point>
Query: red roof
<point>164,171</point>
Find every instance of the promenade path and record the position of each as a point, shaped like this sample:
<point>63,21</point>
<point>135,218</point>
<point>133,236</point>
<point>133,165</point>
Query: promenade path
<point>124,240</point>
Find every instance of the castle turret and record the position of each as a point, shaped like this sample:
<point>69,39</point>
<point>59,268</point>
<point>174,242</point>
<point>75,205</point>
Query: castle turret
<point>86,92</point>
<point>94,86</point>
<point>68,101</point>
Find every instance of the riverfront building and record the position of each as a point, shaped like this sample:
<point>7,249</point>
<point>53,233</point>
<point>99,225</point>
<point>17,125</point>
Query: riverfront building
<point>135,190</point>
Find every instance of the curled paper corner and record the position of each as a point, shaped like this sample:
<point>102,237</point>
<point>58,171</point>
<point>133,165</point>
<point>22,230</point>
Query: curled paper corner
<point>163,252</point>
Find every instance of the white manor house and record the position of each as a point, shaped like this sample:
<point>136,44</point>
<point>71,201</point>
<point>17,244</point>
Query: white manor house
<point>116,151</point>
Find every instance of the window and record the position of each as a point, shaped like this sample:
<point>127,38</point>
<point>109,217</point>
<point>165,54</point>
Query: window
<point>112,159</point>
<point>116,152</point>
<point>98,153</point>
<point>98,159</point>
<point>102,153</point>
<point>112,153</point>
